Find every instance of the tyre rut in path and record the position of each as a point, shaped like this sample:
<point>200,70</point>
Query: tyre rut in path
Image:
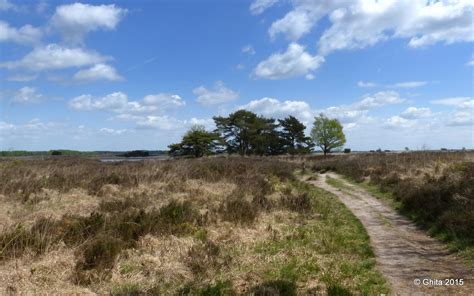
<point>403,252</point>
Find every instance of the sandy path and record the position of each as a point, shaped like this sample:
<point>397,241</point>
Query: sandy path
<point>403,252</point>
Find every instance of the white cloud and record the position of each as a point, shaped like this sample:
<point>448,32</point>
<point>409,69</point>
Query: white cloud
<point>303,17</point>
<point>118,102</point>
<point>22,78</point>
<point>248,49</point>
<point>165,100</point>
<point>309,76</point>
<point>461,118</point>
<point>294,25</point>
<point>53,57</point>
<point>361,23</point>
<point>414,113</point>
<point>365,23</point>
<point>460,102</point>
<point>111,131</point>
<point>98,72</point>
<point>470,63</point>
<point>34,127</point>
<point>6,5</point>
<point>24,35</point>
<point>165,122</point>
<point>219,95</point>
<point>279,109</point>
<point>463,113</point>
<point>398,122</point>
<point>379,99</point>
<point>26,95</point>
<point>366,84</point>
<point>75,20</point>
<point>259,6</point>
<point>409,84</point>
<point>294,62</point>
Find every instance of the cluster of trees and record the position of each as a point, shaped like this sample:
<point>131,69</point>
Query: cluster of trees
<point>246,133</point>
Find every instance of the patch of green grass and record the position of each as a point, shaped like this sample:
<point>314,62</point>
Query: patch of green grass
<point>127,289</point>
<point>331,245</point>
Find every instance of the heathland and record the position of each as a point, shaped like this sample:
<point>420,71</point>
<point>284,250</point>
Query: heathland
<point>216,225</point>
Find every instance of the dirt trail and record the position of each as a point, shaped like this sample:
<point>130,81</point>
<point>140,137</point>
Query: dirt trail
<point>403,252</point>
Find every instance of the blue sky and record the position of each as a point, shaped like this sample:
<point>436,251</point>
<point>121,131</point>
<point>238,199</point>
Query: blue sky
<point>121,75</point>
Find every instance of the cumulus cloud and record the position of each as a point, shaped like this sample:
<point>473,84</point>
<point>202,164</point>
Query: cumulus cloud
<point>364,84</point>
<point>54,57</point>
<point>118,102</point>
<point>361,23</point>
<point>34,127</point>
<point>259,6</point>
<point>379,99</point>
<point>294,62</point>
<point>111,131</point>
<point>75,20</point>
<point>463,113</point>
<point>300,21</point>
<point>365,23</point>
<point>409,84</point>
<point>165,122</point>
<point>24,35</point>
<point>248,49</point>
<point>398,122</point>
<point>220,94</point>
<point>26,95</point>
<point>98,72</point>
<point>460,102</point>
<point>22,77</point>
<point>271,107</point>
<point>461,118</point>
<point>294,25</point>
<point>7,5</point>
<point>414,113</point>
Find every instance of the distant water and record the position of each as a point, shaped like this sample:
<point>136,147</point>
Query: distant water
<point>119,159</point>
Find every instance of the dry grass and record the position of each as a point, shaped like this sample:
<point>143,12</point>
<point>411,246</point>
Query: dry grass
<point>216,226</point>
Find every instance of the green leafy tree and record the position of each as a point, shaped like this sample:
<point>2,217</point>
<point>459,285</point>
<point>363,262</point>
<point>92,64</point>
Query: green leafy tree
<point>235,130</point>
<point>293,137</point>
<point>327,133</point>
<point>196,142</point>
<point>246,133</point>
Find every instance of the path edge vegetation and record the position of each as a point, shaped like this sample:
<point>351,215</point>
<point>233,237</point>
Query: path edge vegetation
<point>463,249</point>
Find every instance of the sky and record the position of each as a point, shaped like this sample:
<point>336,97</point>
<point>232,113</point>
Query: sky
<point>125,75</point>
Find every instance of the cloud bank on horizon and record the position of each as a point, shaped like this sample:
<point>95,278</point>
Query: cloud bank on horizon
<point>90,76</point>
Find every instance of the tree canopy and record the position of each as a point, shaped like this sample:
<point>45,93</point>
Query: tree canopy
<point>196,142</point>
<point>327,133</point>
<point>294,139</point>
<point>246,133</point>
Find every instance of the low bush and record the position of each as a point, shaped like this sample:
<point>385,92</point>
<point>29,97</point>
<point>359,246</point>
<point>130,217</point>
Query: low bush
<point>237,209</point>
<point>299,202</point>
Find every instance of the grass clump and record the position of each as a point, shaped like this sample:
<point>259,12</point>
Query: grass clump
<point>274,288</point>
<point>237,209</point>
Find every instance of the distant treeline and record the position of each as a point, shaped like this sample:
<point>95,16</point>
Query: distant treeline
<point>135,153</point>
